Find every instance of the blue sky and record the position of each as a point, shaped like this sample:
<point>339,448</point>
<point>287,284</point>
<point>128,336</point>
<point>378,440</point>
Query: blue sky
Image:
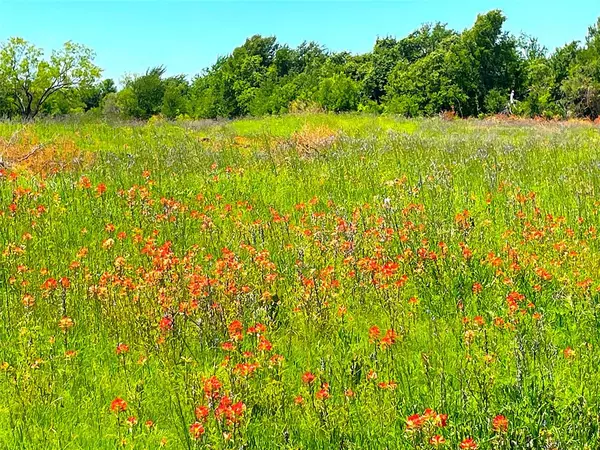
<point>186,36</point>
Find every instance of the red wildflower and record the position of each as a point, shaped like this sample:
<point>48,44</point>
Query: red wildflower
<point>132,421</point>
<point>118,405</point>
<point>231,413</point>
<point>414,422</point>
<point>238,408</point>
<point>235,330</point>
<point>276,360</point>
<point>413,301</point>
<point>569,353</point>
<point>441,420</point>
<point>122,348</point>
<point>166,323</point>
<point>513,300</point>
<point>49,284</point>
<point>437,440</point>
<point>264,344</point>
<point>28,301</point>
<point>84,182</point>
<point>212,386</point>
<point>258,328</point>
<point>308,378</point>
<point>428,414</point>
<point>391,385</point>
<point>500,424</point>
<point>227,346</point>
<point>245,369</point>
<point>389,338</point>
<point>374,333</point>
<point>468,443</point>
<point>65,323</point>
<point>201,413</point>
<point>479,321</point>
<point>196,430</point>
<point>323,393</point>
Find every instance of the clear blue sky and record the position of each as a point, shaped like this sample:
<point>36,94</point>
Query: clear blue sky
<point>186,36</point>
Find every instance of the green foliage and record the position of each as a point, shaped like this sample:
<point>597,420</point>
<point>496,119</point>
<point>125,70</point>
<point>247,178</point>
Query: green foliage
<point>142,96</point>
<point>92,96</point>
<point>7,107</point>
<point>388,52</point>
<point>175,98</point>
<point>63,103</point>
<point>496,101</point>
<point>385,56</point>
<point>338,93</point>
<point>430,85</point>
<point>30,80</point>
<point>148,95</point>
<point>581,88</point>
<point>110,106</point>
<point>466,73</point>
<point>434,69</point>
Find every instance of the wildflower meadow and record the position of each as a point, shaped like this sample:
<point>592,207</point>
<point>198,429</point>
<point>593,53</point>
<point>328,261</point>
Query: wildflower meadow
<point>300,282</point>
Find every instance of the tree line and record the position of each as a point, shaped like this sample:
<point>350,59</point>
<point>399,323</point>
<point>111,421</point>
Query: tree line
<point>481,70</point>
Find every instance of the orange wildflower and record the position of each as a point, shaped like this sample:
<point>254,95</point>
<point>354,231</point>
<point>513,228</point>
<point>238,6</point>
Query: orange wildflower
<point>437,440</point>
<point>308,378</point>
<point>468,444</point>
<point>500,424</point>
<point>196,430</point>
<point>118,405</point>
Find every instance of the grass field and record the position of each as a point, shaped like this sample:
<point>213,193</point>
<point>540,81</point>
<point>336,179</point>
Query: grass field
<point>302,282</point>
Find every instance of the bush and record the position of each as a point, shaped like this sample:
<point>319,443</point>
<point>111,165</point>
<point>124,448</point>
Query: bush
<point>496,101</point>
<point>338,93</point>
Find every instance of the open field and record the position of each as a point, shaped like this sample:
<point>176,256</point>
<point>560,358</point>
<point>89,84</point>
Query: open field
<point>300,282</point>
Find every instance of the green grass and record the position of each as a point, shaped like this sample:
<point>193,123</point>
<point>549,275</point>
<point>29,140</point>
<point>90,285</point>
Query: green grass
<point>313,241</point>
<point>352,124</point>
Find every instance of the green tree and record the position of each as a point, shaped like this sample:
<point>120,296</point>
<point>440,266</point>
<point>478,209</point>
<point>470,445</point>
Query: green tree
<point>7,108</point>
<point>388,52</point>
<point>31,80</point>
<point>175,98</point>
<point>110,106</point>
<point>92,96</point>
<point>581,88</point>
<point>539,100</point>
<point>540,81</point>
<point>338,93</point>
<point>63,103</point>
<point>262,77</point>
<point>386,55</point>
<point>493,56</point>
<point>142,96</point>
<point>430,85</point>
<point>561,62</point>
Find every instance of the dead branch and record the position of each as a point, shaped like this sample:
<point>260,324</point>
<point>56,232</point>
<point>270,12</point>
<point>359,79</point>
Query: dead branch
<point>7,164</point>
<point>32,152</point>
